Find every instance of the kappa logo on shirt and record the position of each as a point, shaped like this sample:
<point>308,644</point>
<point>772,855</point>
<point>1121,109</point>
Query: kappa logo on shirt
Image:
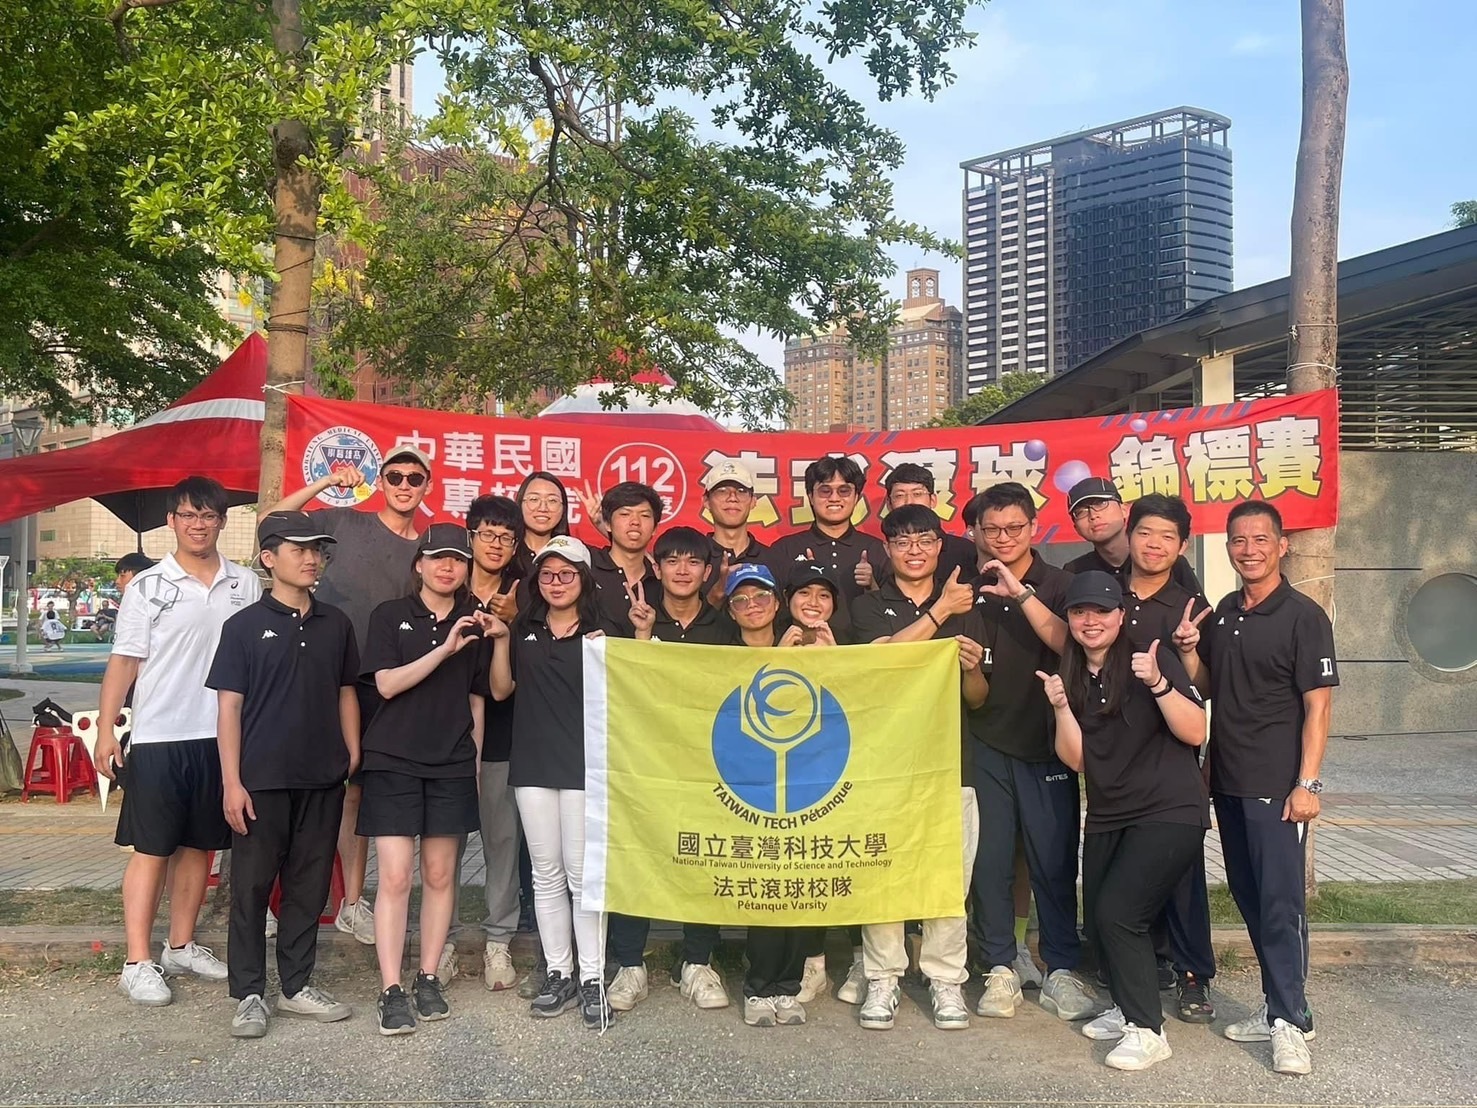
<point>405,626</point>
<point>1221,622</point>
<point>889,612</point>
<point>530,637</point>
<point>269,634</point>
<point>801,558</point>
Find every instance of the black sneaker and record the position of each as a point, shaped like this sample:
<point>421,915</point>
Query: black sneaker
<point>1194,1000</point>
<point>430,997</point>
<point>533,984</point>
<point>1167,977</point>
<point>558,996</point>
<point>396,1018</point>
<point>594,1006</point>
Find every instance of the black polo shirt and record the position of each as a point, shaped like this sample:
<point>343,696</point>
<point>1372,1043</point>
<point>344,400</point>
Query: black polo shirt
<point>710,627</point>
<point>497,716</point>
<point>426,731</point>
<point>1137,771</point>
<point>289,669</point>
<point>885,611</point>
<point>610,585</point>
<point>840,555</point>
<point>1262,660</point>
<point>754,553</point>
<point>1017,718</point>
<point>1182,574</point>
<point>958,550</point>
<point>1157,616</point>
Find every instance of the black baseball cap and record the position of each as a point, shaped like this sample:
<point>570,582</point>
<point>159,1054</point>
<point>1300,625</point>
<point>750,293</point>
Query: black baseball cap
<point>1092,488</point>
<point>811,575</point>
<point>290,527</point>
<point>445,538</point>
<point>1094,588</point>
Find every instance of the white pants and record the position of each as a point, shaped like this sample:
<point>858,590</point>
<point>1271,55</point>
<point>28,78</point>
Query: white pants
<point>554,825</point>
<point>944,953</point>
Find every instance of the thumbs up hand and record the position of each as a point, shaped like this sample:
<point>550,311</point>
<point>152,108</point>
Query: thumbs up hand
<point>863,572</point>
<point>1146,665</point>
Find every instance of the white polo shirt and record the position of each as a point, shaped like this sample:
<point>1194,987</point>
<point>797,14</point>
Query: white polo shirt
<point>173,623</point>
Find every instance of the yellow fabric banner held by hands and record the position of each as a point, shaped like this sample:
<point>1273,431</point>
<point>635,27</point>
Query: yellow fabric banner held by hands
<point>780,787</point>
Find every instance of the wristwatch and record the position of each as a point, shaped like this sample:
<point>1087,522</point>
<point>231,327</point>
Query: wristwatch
<point>1025,594</point>
<point>1312,784</point>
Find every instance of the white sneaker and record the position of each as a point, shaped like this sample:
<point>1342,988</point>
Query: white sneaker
<point>1025,968</point>
<point>1139,1049</point>
<point>144,984</point>
<point>271,924</point>
<point>193,958</point>
<point>1255,1028</point>
<point>1106,1027</point>
<point>628,989</point>
<point>250,1020</point>
<point>314,1004</point>
<point>703,986</point>
<point>950,1013</point>
<point>356,919</point>
<point>883,997</point>
<point>446,965</point>
<point>813,982</point>
<point>855,986</point>
<point>1002,993</point>
<point>759,1011</point>
<point>1290,1049</point>
<point>788,1011</point>
<point>1065,996</point>
<point>497,967</point>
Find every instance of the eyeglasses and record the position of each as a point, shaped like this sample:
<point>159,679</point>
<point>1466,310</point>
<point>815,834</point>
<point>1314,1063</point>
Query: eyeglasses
<point>752,600</point>
<point>496,538</point>
<point>399,477</point>
<point>210,519</point>
<point>563,576</point>
<point>1010,530</point>
<point>543,501</point>
<point>729,492</point>
<point>1097,507</point>
<point>835,492</point>
<point>923,543</point>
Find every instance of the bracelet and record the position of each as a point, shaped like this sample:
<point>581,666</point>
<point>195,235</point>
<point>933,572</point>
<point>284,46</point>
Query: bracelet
<point>929,613</point>
<point>1168,688</point>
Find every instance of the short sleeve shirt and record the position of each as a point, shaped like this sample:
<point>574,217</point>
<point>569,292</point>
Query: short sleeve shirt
<point>1157,616</point>
<point>497,718</point>
<point>1262,660</point>
<point>753,553</point>
<point>610,585</point>
<point>839,555</point>
<point>710,627</point>
<point>1183,573</point>
<point>172,623</point>
<point>370,564</point>
<point>289,669</point>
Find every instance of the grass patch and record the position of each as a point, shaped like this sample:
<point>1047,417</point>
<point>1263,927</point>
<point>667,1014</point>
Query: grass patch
<point>11,694</point>
<point>1354,902</point>
<point>60,907</point>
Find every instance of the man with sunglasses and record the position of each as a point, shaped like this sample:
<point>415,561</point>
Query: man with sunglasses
<point>1101,518</point>
<point>372,560</point>
<point>834,486</point>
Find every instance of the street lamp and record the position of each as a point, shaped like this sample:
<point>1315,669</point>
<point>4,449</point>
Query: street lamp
<point>25,427</point>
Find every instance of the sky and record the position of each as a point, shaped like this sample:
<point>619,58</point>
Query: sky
<point>1042,68</point>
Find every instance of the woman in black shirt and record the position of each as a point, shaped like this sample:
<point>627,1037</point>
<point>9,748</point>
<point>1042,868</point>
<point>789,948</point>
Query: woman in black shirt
<point>1131,723</point>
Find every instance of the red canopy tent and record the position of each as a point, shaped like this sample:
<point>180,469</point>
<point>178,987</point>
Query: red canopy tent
<point>213,430</point>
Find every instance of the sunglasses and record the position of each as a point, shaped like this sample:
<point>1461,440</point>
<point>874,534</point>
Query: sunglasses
<point>396,479</point>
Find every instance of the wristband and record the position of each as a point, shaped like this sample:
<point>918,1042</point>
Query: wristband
<point>929,613</point>
<point>1168,688</point>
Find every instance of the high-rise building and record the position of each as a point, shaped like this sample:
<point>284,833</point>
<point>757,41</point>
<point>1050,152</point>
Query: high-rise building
<point>1077,242</point>
<point>922,374</point>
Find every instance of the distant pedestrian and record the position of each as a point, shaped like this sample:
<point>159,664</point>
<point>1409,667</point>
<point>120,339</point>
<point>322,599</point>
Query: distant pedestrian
<point>53,631</point>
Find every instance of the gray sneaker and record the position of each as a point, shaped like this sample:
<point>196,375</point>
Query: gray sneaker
<point>759,1011</point>
<point>1065,996</point>
<point>144,984</point>
<point>314,1004</point>
<point>950,1013</point>
<point>878,1010</point>
<point>192,958</point>
<point>250,1020</point>
<point>1002,993</point>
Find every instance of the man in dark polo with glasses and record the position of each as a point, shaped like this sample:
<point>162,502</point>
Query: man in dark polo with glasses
<point>1101,518</point>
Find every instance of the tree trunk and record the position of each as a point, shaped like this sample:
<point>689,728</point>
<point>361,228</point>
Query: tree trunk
<point>1312,348</point>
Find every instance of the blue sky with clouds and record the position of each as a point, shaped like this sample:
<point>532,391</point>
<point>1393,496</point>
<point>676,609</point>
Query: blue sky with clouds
<point>1048,67</point>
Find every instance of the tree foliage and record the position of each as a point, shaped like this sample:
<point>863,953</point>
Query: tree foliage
<point>1464,213</point>
<point>989,400</point>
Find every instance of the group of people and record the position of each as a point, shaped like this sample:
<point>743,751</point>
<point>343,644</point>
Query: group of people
<point>412,684</point>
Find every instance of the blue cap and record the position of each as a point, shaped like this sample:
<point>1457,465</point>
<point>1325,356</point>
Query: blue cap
<point>751,574</point>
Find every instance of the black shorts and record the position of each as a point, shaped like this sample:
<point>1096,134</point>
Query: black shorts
<point>396,804</point>
<point>174,798</point>
<point>369,704</point>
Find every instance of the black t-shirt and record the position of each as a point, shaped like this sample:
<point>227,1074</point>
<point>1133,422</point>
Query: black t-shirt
<point>1183,573</point>
<point>1136,770</point>
<point>885,611</point>
<point>426,731</point>
<point>289,669</point>
<point>710,627</point>
<point>611,594</point>
<point>1157,616</point>
<point>1262,660</point>
<point>839,555</point>
<point>371,564</point>
<point>549,702</point>
<point>1017,718</point>
<point>497,716</point>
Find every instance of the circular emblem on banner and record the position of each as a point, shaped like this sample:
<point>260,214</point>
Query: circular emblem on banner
<point>342,448</point>
<point>780,743</point>
<point>651,465</point>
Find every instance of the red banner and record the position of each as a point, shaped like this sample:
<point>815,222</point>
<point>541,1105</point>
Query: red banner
<point>1283,450</point>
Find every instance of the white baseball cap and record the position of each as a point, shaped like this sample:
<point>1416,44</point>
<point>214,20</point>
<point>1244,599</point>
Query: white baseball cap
<point>566,547</point>
<point>729,472</point>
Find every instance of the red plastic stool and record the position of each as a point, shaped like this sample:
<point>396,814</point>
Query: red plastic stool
<point>335,890</point>
<point>58,764</point>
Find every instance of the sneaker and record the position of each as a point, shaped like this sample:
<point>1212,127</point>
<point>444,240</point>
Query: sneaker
<point>271,924</point>
<point>497,967</point>
<point>357,919</point>
<point>446,965</point>
<point>883,997</point>
<point>1290,1049</point>
<point>396,1018</point>
<point>950,1013</point>
<point>702,985</point>
<point>788,1011</point>
<point>1065,996</point>
<point>1194,999</point>
<point>855,986</point>
<point>599,1011</point>
<point>429,993</point>
<point>250,1020</point>
<point>628,989</point>
<point>144,984</point>
<point>1002,993</point>
<point>1107,1027</point>
<point>193,958</point>
<point>759,1011</point>
<point>558,995</point>
<point>1256,1029</point>
<point>1167,976</point>
<point>532,985</point>
<point>313,1004</point>
<point>813,982</point>
<point>1139,1049</point>
<point>1026,970</point>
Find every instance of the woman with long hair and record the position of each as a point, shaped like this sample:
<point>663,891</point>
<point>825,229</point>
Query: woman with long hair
<point>544,502</point>
<point>1130,722</point>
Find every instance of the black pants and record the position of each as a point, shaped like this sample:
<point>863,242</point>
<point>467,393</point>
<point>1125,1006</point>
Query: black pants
<point>1128,876</point>
<point>626,940</point>
<point>1266,864</point>
<point>293,838</point>
<point>776,959</point>
<point>1186,923</point>
<point>817,945</point>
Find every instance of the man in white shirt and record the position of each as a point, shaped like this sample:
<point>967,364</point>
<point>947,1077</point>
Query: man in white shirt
<point>169,624</point>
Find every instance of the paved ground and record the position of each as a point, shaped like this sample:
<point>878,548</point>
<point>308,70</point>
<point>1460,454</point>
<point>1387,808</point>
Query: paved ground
<point>1384,1039</point>
<point>87,659</point>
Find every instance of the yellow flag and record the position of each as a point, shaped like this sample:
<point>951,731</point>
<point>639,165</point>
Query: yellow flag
<point>782,787</point>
